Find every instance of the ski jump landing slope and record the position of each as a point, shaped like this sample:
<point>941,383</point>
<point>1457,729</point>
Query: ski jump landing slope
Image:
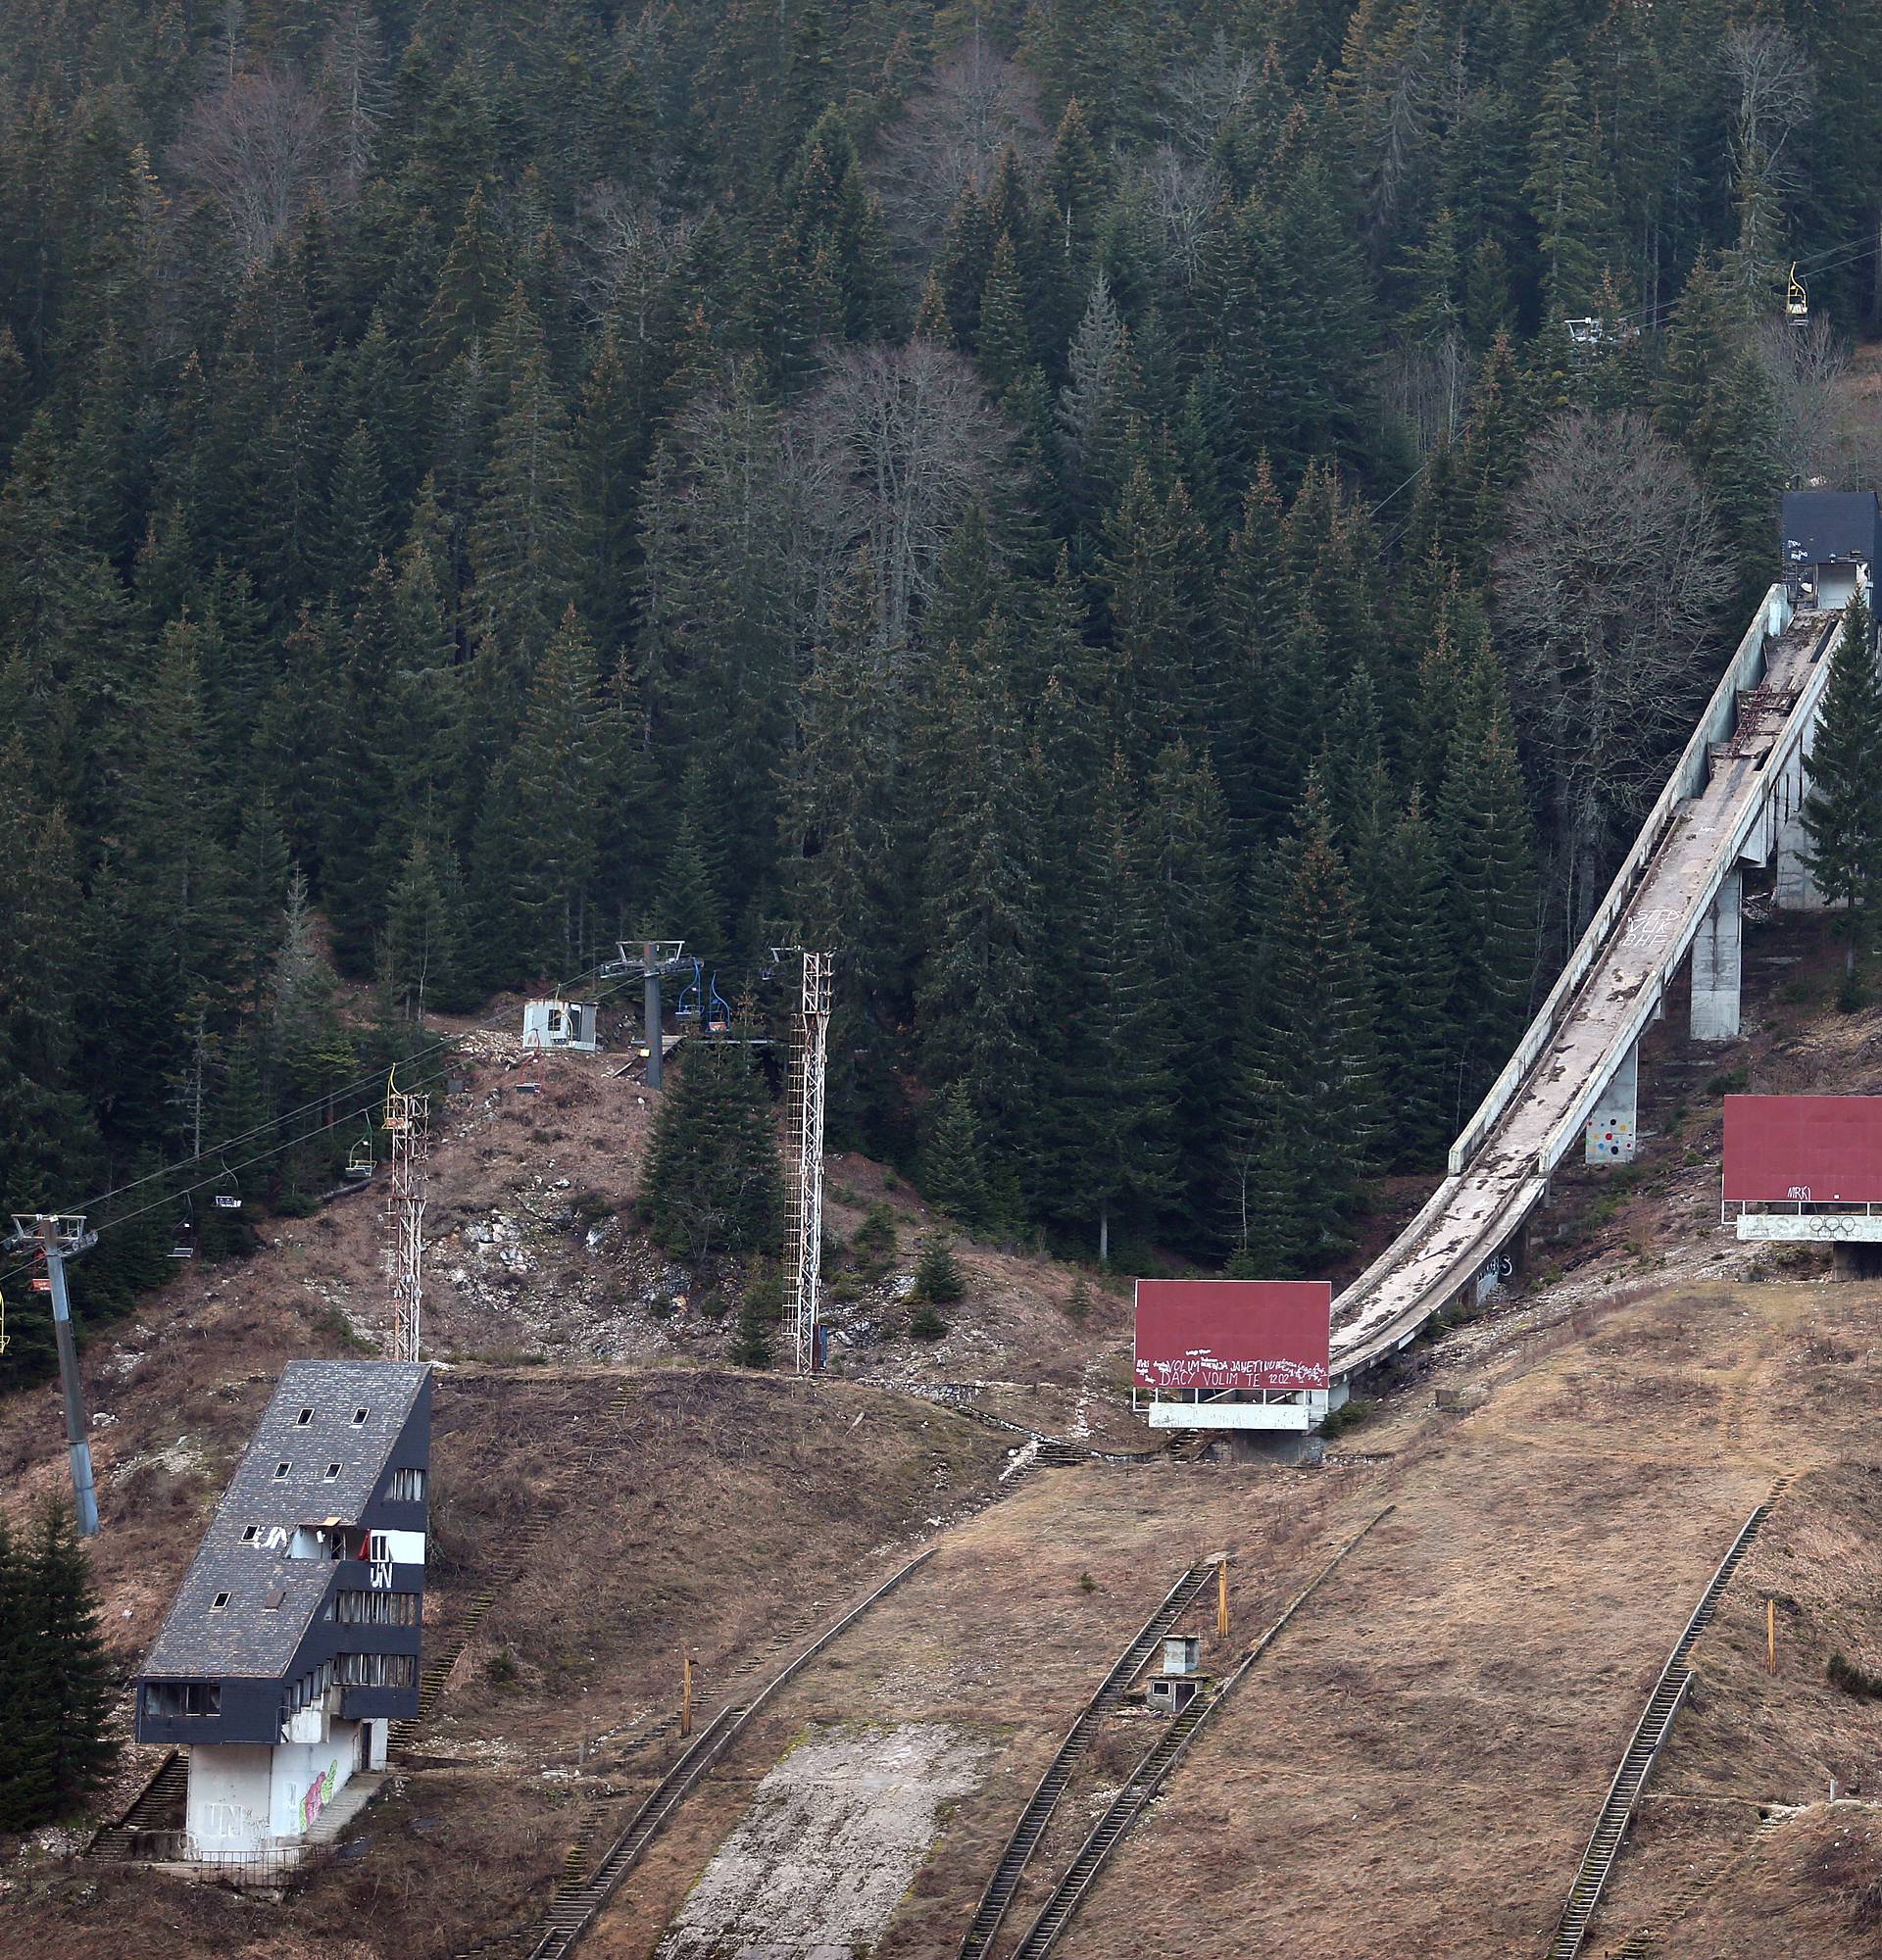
<point>1734,791</point>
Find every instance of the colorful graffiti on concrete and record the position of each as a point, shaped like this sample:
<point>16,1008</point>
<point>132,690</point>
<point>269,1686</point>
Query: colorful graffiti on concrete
<point>320,1793</point>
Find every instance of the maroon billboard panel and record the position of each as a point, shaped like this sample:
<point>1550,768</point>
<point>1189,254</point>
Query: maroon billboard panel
<point>1233,1334</point>
<point>1808,1150</point>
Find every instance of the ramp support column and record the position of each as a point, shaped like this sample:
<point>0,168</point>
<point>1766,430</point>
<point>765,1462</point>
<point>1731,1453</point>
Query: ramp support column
<point>1612,1125</point>
<point>1717,952</point>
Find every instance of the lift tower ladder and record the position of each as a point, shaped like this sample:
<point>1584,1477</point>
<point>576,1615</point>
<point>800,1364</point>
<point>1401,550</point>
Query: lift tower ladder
<point>407,1122</point>
<point>804,1249</point>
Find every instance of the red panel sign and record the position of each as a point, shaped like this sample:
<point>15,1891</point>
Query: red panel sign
<point>1233,1334</point>
<point>1812,1149</point>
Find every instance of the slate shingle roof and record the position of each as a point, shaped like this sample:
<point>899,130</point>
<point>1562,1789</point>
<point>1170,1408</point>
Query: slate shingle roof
<point>1822,526</point>
<point>246,1637</point>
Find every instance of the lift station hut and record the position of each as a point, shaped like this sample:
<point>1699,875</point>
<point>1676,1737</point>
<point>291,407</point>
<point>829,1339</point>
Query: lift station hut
<point>1807,1170</point>
<point>552,1024</point>
<point>1233,1353</point>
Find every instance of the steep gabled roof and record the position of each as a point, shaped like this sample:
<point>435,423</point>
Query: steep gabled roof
<point>1821,526</point>
<point>273,1598</point>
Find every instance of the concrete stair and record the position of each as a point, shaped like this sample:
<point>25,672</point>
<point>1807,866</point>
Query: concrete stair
<point>153,1827</point>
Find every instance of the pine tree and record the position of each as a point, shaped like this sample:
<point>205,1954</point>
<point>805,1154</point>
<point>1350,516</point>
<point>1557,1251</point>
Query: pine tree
<point>1182,846</point>
<point>954,1172</point>
<point>357,532</point>
<point>1167,680</point>
<point>1565,194</point>
<point>528,538</point>
<point>1111,1150</point>
<point>66,1685</point>
<point>1310,1073</point>
<point>712,1182</point>
<point>938,1281</point>
<point>1487,848</point>
<point>1412,959</point>
<point>1843,812</point>
<point>977,903</point>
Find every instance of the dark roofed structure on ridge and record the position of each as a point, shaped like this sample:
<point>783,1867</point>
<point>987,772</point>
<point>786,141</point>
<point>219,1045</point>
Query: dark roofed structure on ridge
<point>1827,535</point>
<point>292,1643</point>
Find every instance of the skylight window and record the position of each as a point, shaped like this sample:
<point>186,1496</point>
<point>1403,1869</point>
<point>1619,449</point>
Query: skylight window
<point>359,1416</point>
<point>281,1470</point>
<point>302,1420</point>
<point>333,1471</point>
<point>217,1604</point>
<point>273,1603</point>
<point>250,1533</point>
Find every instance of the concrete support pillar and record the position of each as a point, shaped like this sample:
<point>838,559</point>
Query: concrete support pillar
<point>1795,891</point>
<point>1611,1128</point>
<point>1717,951</point>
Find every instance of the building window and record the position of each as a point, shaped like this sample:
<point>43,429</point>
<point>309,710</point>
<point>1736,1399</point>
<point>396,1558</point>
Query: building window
<point>333,1471</point>
<point>302,1420</point>
<point>377,1610</point>
<point>281,1470</point>
<point>372,1670</point>
<point>378,1547</point>
<point>310,1688</point>
<point>359,1417</point>
<point>217,1604</point>
<point>405,1487</point>
<point>250,1533</point>
<point>182,1698</point>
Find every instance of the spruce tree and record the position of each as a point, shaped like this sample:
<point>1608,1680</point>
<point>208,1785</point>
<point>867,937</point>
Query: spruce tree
<point>954,1172</point>
<point>1311,1072</point>
<point>1843,812</point>
<point>65,1685</point>
<point>1110,1155</point>
<point>1486,843</point>
<point>713,1183</point>
<point>1412,959</point>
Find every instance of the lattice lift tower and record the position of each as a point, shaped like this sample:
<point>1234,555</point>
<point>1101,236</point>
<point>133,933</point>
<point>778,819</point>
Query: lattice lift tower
<point>804,1248</point>
<point>407,1122</point>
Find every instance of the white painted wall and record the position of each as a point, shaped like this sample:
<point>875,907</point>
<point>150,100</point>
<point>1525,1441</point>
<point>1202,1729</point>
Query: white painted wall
<point>246,1799</point>
<point>228,1812</point>
<point>300,1767</point>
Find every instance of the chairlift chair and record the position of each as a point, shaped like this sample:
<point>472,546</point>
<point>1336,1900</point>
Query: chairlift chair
<point>232,1199</point>
<point>1797,302</point>
<point>719,1015</point>
<point>184,1246</point>
<point>359,1160</point>
<point>688,1008</point>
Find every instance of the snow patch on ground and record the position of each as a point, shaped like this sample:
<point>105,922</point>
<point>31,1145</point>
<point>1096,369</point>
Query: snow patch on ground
<point>833,1838</point>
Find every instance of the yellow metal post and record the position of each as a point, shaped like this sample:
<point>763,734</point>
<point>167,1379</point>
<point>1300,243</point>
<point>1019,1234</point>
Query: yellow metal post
<point>1222,1599</point>
<point>1770,1637</point>
<point>687,1695</point>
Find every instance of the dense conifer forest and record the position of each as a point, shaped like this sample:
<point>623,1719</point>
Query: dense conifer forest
<point>1180,538</point>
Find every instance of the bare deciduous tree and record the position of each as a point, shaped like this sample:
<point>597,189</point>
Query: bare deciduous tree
<point>977,105</point>
<point>1199,96</point>
<point>254,152</point>
<point>627,249</point>
<point>1806,370</point>
<point>1776,92</point>
<point>1180,192</point>
<point>1604,598</point>
<point>890,451</point>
